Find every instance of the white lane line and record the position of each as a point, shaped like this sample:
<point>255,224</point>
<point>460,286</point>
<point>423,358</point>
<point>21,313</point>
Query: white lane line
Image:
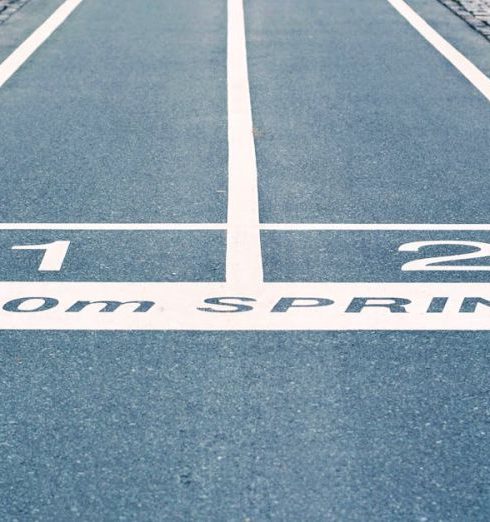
<point>263,226</point>
<point>15,60</point>
<point>464,66</point>
<point>112,226</point>
<point>372,226</point>
<point>243,253</point>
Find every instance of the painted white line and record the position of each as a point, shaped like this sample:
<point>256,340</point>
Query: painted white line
<point>112,226</point>
<point>464,66</point>
<point>243,254</point>
<point>271,306</point>
<point>262,226</point>
<point>372,226</point>
<point>15,60</point>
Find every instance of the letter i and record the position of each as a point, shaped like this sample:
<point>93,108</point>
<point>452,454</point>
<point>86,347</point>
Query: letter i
<point>437,305</point>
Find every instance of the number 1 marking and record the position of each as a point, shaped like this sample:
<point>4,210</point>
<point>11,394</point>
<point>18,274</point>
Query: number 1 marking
<point>54,255</point>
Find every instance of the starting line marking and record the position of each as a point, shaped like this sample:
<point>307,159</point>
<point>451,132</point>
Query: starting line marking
<point>220,306</point>
<point>113,226</point>
<point>261,226</point>
<point>373,226</point>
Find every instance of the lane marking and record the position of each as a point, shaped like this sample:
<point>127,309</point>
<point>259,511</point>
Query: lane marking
<point>262,226</point>
<point>457,59</point>
<point>373,226</point>
<point>243,251</point>
<point>113,226</point>
<point>18,57</point>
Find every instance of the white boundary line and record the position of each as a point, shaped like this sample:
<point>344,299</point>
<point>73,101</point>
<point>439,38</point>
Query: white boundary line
<point>464,66</point>
<point>112,226</point>
<point>262,226</point>
<point>15,60</point>
<point>243,253</point>
<point>372,226</point>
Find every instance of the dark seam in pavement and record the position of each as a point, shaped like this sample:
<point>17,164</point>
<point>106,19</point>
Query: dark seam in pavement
<point>9,7</point>
<point>482,26</point>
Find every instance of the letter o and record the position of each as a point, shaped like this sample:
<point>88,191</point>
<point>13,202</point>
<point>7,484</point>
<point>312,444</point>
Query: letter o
<point>15,304</point>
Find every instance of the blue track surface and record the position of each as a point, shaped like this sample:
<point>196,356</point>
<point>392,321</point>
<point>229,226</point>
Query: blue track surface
<point>121,117</point>
<point>119,105</point>
<point>355,108</point>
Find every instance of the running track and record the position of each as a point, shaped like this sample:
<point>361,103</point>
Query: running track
<point>245,261</point>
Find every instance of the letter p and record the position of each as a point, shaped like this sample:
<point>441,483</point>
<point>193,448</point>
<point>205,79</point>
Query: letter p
<point>285,303</point>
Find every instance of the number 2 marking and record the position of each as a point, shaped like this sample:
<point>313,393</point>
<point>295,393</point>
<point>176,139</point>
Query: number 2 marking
<point>482,250</point>
<point>54,255</point>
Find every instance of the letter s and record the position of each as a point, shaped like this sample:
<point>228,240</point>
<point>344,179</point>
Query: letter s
<point>235,307</point>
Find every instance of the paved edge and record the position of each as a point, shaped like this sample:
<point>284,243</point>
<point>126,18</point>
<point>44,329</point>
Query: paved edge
<point>9,7</point>
<point>481,26</point>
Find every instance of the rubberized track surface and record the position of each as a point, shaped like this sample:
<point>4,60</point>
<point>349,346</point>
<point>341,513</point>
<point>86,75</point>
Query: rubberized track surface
<point>244,262</point>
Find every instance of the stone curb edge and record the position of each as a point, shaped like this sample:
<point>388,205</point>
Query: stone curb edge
<point>9,7</point>
<point>479,25</point>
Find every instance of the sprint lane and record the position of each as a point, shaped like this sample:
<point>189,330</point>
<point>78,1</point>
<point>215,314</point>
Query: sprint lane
<point>360,120</point>
<point>120,116</point>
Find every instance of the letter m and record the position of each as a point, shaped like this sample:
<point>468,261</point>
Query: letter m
<point>111,306</point>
